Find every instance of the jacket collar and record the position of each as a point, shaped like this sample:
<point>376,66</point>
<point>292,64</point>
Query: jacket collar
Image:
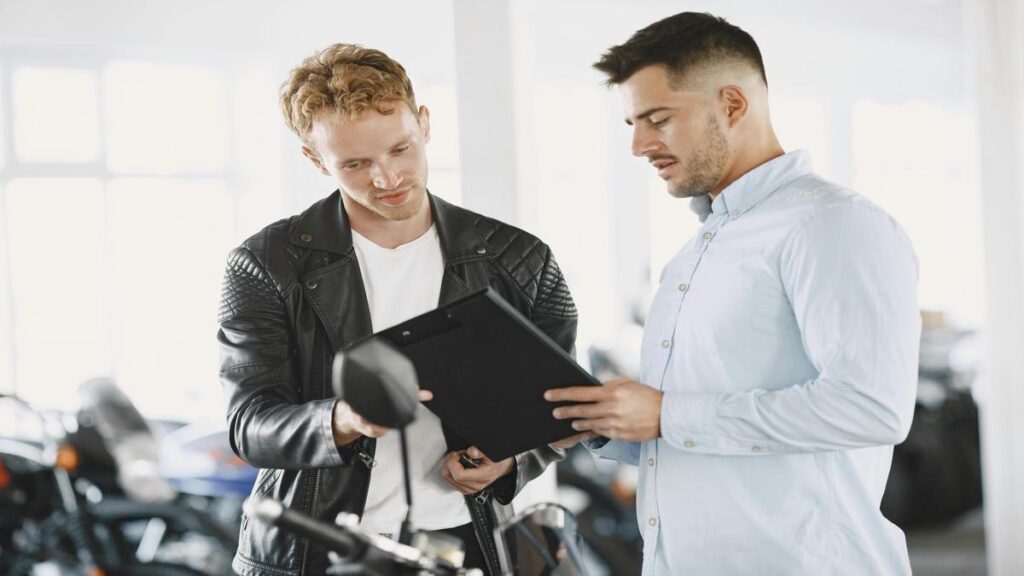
<point>325,226</point>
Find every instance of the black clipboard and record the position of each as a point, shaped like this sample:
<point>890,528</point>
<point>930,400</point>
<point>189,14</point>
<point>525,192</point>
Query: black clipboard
<point>488,368</point>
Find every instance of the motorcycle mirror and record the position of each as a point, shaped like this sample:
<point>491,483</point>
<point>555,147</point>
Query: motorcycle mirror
<point>378,381</point>
<point>116,415</point>
<point>540,540</point>
<point>128,438</point>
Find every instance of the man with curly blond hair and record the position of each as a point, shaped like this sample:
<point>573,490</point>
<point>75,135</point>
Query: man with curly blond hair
<point>379,250</point>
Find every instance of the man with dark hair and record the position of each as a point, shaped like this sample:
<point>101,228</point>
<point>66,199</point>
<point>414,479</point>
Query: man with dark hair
<point>378,251</point>
<point>779,361</point>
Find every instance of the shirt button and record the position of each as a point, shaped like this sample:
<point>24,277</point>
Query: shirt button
<point>689,444</point>
<point>306,238</point>
<point>653,521</point>
<point>707,235</point>
<point>683,287</point>
<point>665,343</point>
<point>756,448</point>
<point>650,461</point>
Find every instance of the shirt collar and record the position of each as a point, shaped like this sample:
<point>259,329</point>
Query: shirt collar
<point>751,188</point>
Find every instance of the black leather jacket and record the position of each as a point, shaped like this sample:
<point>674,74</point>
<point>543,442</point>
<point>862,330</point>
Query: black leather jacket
<point>292,296</point>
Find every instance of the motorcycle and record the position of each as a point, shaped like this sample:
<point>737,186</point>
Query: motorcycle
<point>380,384</point>
<point>84,496</point>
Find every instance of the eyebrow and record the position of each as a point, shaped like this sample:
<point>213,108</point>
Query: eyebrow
<point>647,113</point>
<point>403,142</point>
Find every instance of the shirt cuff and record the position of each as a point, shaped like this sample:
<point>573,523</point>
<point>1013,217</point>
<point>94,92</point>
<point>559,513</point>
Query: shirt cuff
<point>327,429</point>
<point>628,452</point>
<point>687,419</point>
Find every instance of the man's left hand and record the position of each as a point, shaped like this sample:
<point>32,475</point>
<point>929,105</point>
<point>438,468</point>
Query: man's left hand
<point>621,409</point>
<point>472,480</point>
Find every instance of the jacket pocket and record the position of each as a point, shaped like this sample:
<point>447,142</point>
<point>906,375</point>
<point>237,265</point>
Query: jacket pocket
<point>261,543</point>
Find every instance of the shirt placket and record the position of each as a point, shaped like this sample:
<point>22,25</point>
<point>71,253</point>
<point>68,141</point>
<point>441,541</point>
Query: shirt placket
<point>666,311</point>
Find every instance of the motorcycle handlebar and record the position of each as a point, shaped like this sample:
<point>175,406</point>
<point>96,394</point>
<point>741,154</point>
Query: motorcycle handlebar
<point>273,512</point>
<point>376,555</point>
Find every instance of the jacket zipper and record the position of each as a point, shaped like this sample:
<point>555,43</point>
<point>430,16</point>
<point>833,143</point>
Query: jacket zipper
<point>316,494</point>
<point>488,546</point>
<point>317,361</point>
<point>368,460</point>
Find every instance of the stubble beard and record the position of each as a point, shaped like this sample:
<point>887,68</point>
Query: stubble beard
<point>407,210</point>
<point>706,165</point>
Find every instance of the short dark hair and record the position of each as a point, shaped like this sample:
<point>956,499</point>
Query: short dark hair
<point>681,43</point>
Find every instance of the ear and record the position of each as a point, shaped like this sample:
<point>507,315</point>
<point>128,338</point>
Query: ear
<point>315,159</point>
<point>734,102</point>
<point>423,117</point>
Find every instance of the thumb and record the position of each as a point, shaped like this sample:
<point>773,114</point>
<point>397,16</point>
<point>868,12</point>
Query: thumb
<point>475,452</point>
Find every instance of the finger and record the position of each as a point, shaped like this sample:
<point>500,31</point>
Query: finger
<point>447,475</point>
<point>475,453</point>
<point>575,394</point>
<point>594,410</point>
<point>454,467</point>
<point>425,395</point>
<point>586,425</point>
<point>604,427</point>
<point>573,440</point>
<point>465,490</point>
<point>565,443</point>
<point>460,487</point>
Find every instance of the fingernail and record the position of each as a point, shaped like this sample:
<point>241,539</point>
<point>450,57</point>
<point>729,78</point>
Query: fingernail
<point>548,395</point>
<point>556,413</point>
<point>575,425</point>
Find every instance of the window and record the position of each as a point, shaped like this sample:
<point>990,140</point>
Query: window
<point>60,330</point>
<point>127,183</point>
<point>164,119</point>
<point>116,165</point>
<point>926,183</point>
<point>56,114</point>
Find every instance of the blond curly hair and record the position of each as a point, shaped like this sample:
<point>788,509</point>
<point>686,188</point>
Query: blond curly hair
<point>347,79</point>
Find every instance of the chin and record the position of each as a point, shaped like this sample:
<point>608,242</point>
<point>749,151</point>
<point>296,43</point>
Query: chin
<point>411,207</point>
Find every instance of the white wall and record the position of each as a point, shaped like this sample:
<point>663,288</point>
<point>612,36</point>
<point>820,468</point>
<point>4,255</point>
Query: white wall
<point>998,53</point>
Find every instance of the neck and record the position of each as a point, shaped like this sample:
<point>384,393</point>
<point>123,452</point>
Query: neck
<point>388,233</point>
<point>768,148</point>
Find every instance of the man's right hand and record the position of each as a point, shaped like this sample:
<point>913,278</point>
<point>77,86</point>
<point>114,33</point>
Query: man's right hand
<point>348,425</point>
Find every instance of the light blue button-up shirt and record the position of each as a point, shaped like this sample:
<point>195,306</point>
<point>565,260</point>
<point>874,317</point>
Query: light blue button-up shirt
<point>785,337</point>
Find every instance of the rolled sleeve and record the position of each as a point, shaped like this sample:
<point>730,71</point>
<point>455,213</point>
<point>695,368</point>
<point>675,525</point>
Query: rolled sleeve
<point>627,452</point>
<point>851,277</point>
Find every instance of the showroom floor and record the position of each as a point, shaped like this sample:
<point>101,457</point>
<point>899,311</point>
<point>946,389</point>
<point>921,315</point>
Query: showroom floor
<point>954,550</point>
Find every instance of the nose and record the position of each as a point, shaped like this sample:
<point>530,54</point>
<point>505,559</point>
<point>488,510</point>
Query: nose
<point>386,176</point>
<point>643,141</point>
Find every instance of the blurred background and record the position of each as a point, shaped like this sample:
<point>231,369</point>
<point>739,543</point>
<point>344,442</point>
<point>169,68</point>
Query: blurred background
<point>125,124</point>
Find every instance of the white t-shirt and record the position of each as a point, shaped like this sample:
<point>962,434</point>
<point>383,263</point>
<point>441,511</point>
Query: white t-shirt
<point>402,283</point>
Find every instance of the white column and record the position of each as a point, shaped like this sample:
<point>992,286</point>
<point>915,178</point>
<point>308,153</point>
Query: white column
<point>488,88</point>
<point>486,94</point>
<point>998,58</point>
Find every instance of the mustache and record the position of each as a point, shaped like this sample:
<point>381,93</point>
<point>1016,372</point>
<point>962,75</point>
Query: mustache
<point>656,157</point>
<point>408,187</point>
